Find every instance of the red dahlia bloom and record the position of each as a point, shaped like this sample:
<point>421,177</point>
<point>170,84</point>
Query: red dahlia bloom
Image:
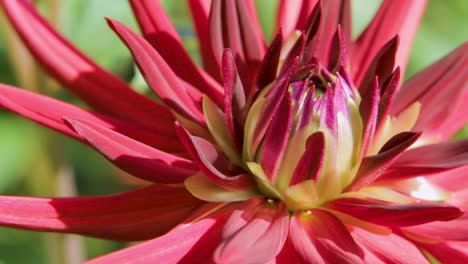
<point>304,150</point>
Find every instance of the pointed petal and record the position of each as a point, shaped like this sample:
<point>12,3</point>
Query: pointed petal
<point>163,37</point>
<point>311,162</point>
<point>269,65</point>
<point>233,25</point>
<point>396,18</point>
<point>395,215</point>
<point>180,96</point>
<point>456,229</point>
<point>442,90</point>
<point>333,14</point>
<point>429,159</point>
<point>372,167</point>
<point>50,112</point>
<point>200,11</point>
<point>274,98</point>
<point>136,158</point>
<point>259,238</point>
<point>276,138</point>
<point>184,244</point>
<point>387,248</point>
<point>382,66</point>
<point>135,215</point>
<point>200,149</point>
<point>79,74</point>
<point>234,95</point>
<point>368,109</point>
<point>320,237</point>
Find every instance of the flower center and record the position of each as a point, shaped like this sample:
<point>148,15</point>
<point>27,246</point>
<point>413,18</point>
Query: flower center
<point>298,139</point>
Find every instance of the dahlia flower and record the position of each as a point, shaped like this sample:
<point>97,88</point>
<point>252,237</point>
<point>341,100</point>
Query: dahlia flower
<point>305,150</point>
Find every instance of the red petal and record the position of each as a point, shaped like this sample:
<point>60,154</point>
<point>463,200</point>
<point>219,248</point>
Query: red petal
<point>372,167</point>
<point>70,67</point>
<point>234,96</point>
<point>259,238</point>
<point>429,159</point>
<point>276,138</point>
<point>319,237</point>
<point>50,112</point>
<point>456,229</point>
<point>449,252</point>
<point>182,98</point>
<point>395,215</point>
<point>269,65</point>
<point>160,33</point>
<point>274,98</point>
<point>200,10</point>
<point>333,14</point>
<point>393,18</point>
<point>233,25</point>
<point>136,215</point>
<point>185,244</point>
<point>200,150</point>
<point>443,91</point>
<point>387,248</point>
<point>369,108</point>
<point>287,254</point>
<point>310,164</point>
<point>134,157</point>
<point>382,66</point>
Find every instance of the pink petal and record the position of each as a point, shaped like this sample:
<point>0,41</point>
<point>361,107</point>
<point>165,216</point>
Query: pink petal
<point>395,215</point>
<point>452,180</point>
<point>184,244</point>
<point>50,112</point>
<point>320,237</point>
<point>311,162</point>
<point>200,150</point>
<point>134,157</point>
<point>276,138</point>
<point>449,252</point>
<point>160,33</point>
<point>372,167</point>
<point>397,18</point>
<point>135,215</point>
<point>387,248</point>
<point>442,90</point>
<point>429,159</point>
<point>200,11</point>
<point>456,229</point>
<point>79,74</point>
<point>261,236</point>
<point>180,96</point>
<point>288,15</point>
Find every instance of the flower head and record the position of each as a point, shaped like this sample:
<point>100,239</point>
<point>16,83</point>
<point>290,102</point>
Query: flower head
<point>307,149</point>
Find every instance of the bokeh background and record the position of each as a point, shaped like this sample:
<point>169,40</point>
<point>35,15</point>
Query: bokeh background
<point>37,162</point>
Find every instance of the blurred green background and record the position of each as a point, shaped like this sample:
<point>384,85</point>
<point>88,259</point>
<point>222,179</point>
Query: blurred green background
<point>37,162</point>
